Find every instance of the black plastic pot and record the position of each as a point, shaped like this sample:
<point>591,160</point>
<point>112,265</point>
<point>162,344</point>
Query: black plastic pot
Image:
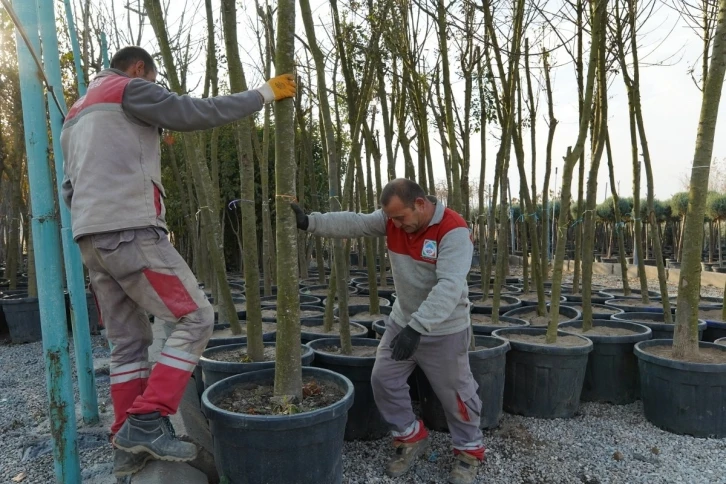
<point>596,298</point>
<point>543,381</point>
<point>721,341</point>
<point>303,448</point>
<point>364,419</point>
<point>379,327</point>
<point>303,307</point>
<point>548,298</point>
<point>682,397</point>
<point>360,308</point>
<point>487,329</point>
<point>487,365</point>
<point>655,322</point>
<point>214,371</point>
<point>271,301</point>
<point>321,292</point>
<point>714,330</point>
<point>617,292</point>
<point>599,311</point>
<point>22,316</point>
<point>356,330</point>
<point>571,313</point>
<point>612,368</point>
<point>657,306</point>
<point>228,340</point>
<point>706,302</point>
<point>93,326</point>
<point>386,293</point>
<point>506,303</point>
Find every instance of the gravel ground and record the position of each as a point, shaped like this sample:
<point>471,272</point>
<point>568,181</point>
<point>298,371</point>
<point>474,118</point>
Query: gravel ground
<point>603,444</point>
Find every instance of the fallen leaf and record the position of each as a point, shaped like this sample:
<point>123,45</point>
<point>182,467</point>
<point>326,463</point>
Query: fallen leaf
<point>618,456</point>
<point>19,478</point>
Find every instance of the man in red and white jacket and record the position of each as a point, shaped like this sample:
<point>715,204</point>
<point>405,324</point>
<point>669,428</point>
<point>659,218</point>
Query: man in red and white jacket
<point>112,185</point>
<point>430,250</point>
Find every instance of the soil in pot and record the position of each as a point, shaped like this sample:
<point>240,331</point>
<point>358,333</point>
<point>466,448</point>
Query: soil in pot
<point>257,399</point>
<point>710,314</point>
<point>636,304</point>
<point>240,355</point>
<point>534,320</point>
<point>361,301</point>
<point>601,331</point>
<point>539,339</point>
<point>705,354</point>
<point>227,332</point>
<point>486,320</point>
<point>599,311</point>
<point>358,351</point>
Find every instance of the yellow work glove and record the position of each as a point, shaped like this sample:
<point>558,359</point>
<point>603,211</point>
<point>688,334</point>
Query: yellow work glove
<point>278,88</point>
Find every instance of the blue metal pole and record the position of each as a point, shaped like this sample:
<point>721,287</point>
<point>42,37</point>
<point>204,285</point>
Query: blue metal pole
<point>46,244</point>
<point>76,49</point>
<point>104,51</point>
<point>72,255</point>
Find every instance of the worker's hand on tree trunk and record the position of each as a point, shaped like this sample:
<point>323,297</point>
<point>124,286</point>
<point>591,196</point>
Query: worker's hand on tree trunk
<point>278,88</point>
<point>404,344</point>
<point>300,218</point>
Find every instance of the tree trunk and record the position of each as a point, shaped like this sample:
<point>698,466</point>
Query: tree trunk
<point>685,338</point>
<point>244,132</point>
<point>288,369</point>
<point>571,159</point>
<point>619,228</point>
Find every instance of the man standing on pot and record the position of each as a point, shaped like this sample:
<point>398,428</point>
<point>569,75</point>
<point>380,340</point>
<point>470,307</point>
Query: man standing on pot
<point>113,188</point>
<point>430,253</point>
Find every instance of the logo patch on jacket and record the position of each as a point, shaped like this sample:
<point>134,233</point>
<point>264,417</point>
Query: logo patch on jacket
<point>429,250</point>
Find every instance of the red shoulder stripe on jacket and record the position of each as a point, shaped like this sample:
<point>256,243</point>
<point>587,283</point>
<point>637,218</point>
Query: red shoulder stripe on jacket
<point>423,247</point>
<point>102,90</point>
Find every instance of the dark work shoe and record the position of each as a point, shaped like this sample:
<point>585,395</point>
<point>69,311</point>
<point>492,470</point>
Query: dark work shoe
<point>126,463</point>
<point>155,435</point>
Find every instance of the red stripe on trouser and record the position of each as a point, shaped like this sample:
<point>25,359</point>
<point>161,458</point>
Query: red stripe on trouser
<point>164,391</point>
<point>463,411</point>
<point>123,396</point>
<point>157,200</point>
<point>477,453</point>
<point>420,435</point>
<point>172,292</point>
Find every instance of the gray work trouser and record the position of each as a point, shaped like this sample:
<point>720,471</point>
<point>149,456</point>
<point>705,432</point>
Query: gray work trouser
<point>445,361</point>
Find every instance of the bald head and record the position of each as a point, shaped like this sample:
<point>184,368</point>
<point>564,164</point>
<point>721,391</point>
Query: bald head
<point>406,190</point>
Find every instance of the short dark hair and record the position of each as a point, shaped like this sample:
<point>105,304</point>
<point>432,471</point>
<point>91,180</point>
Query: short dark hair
<point>403,188</point>
<point>126,57</point>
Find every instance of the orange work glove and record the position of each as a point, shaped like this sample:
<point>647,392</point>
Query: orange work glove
<point>278,88</point>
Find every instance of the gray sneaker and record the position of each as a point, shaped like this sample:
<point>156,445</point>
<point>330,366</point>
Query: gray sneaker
<point>404,456</point>
<point>155,435</point>
<point>126,463</point>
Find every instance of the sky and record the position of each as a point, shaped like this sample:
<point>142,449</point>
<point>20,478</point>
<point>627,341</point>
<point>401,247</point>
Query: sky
<point>671,101</point>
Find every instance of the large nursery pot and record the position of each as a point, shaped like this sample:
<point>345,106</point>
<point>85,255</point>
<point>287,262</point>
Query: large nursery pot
<point>595,298</point>
<point>543,381</point>
<point>654,321</point>
<point>222,341</point>
<point>315,312</point>
<point>22,315</point>
<point>368,323</point>
<point>619,293</point>
<point>320,291</point>
<point>571,314</point>
<point>487,364</point>
<point>215,370</point>
<point>599,311</point>
<point>485,329</point>
<point>683,397</point>
<point>655,306</point>
<point>302,448</point>
<point>307,334</point>
<point>506,303</point>
<point>364,419</point>
<point>715,330</point>
<point>612,368</point>
<point>305,300</point>
<point>532,301</point>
